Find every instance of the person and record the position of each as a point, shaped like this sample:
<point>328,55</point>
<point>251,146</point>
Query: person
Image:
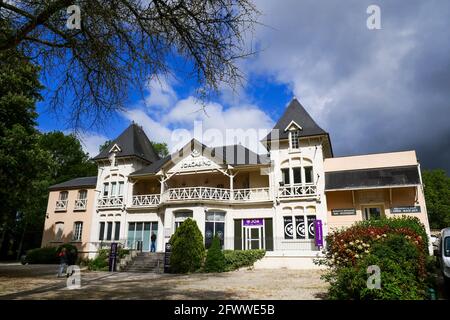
<point>153,238</point>
<point>63,261</point>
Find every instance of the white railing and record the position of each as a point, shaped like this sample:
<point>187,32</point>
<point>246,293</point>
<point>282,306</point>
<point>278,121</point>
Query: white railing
<point>61,205</point>
<point>80,204</point>
<point>297,190</point>
<point>147,200</point>
<point>197,193</point>
<point>112,202</point>
<point>248,195</point>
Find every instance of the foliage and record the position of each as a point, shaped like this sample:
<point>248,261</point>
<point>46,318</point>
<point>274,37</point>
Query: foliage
<point>397,245</point>
<point>188,250</point>
<point>104,145</point>
<point>235,259</point>
<point>101,261</point>
<point>71,250</point>
<point>437,197</point>
<point>121,44</point>
<point>49,255</point>
<point>160,148</point>
<point>215,260</point>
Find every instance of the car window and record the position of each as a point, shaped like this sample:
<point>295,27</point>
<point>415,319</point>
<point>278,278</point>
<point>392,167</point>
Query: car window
<point>447,246</point>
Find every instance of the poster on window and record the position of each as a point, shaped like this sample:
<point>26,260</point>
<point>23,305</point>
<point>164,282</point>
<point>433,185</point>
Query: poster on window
<point>288,228</point>
<point>311,220</point>
<point>300,227</point>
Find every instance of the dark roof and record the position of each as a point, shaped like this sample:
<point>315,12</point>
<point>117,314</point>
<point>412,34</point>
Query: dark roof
<point>86,182</point>
<point>234,155</point>
<point>381,177</point>
<point>295,112</point>
<point>132,142</point>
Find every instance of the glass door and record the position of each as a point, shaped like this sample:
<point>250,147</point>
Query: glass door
<point>253,238</point>
<point>140,233</point>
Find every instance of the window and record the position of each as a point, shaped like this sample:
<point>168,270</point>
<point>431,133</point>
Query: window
<point>102,231</point>
<point>295,135</point>
<point>309,174</point>
<point>297,172</point>
<point>59,228</point>
<point>181,216</point>
<point>447,246</point>
<point>77,231</point>
<point>295,227</point>
<point>109,231</point>
<point>82,194</point>
<point>116,231</point>
<point>63,195</point>
<point>113,189</point>
<point>285,175</point>
<point>214,225</point>
<point>140,233</point>
<point>121,188</point>
<point>105,189</point>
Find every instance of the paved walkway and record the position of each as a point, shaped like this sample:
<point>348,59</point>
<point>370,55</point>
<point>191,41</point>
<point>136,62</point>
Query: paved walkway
<point>40,282</point>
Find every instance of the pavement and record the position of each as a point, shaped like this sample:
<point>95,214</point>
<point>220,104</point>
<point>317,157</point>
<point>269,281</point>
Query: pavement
<point>40,282</point>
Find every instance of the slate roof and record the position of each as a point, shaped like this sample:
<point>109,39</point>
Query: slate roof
<point>235,155</point>
<point>83,182</point>
<point>364,178</point>
<point>295,112</point>
<point>132,142</point>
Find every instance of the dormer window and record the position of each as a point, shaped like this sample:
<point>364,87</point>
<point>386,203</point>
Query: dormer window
<point>295,139</point>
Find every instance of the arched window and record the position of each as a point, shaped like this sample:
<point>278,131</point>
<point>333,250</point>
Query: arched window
<point>214,225</point>
<point>113,186</point>
<point>299,224</point>
<point>301,170</point>
<point>181,216</point>
<point>59,229</point>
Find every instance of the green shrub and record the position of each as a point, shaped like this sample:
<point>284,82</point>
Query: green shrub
<point>100,262</point>
<point>215,260</point>
<point>71,250</point>
<point>47,255</point>
<point>397,245</point>
<point>188,250</point>
<point>235,259</point>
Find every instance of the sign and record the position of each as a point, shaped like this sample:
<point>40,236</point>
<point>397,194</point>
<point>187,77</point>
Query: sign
<point>318,233</point>
<point>113,257</point>
<point>408,209</point>
<point>253,222</point>
<point>196,163</point>
<point>343,212</point>
<point>167,253</point>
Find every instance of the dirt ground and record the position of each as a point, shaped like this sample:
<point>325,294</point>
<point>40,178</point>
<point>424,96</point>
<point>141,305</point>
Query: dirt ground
<point>40,282</point>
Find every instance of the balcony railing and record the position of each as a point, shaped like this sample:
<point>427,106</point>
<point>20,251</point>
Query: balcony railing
<point>111,202</point>
<point>61,205</point>
<point>80,204</point>
<point>148,200</point>
<point>202,193</point>
<point>297,190</point>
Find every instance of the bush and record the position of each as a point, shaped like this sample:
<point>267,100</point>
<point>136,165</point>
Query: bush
<point>215,260</point>
<point>49,255</point>
<point>100,262</point>
<point>188,250</point>
<point>235,259</point>
<point>399,246</point>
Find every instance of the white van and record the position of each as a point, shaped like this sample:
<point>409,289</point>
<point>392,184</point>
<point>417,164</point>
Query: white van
<point>444,254</point>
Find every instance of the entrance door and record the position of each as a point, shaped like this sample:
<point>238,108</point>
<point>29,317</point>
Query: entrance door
<point>253,238</point>
<point>372,213</point>
<point>139,234</point>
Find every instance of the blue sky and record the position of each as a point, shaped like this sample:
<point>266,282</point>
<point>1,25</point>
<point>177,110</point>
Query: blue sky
<point>372,90</point>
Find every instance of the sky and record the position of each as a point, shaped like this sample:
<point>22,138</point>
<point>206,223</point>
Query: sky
<point>378,90</point>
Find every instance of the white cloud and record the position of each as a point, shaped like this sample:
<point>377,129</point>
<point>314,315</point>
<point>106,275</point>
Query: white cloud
<point>91,142</point>
<point>161,93</point>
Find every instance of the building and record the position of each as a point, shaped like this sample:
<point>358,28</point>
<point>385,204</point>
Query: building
<point>285,201</point>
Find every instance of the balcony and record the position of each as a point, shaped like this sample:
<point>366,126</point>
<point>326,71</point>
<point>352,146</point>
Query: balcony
<point>297,191</point>
<point>203,193</point>
<point>61,205</point>
<point>110,202</point>
<point>80,204</point>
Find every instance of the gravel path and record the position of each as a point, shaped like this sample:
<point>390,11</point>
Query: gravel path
<point>40,282</point>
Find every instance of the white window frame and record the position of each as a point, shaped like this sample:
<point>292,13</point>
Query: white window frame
<point>57,224</point>
<point>77,230</point>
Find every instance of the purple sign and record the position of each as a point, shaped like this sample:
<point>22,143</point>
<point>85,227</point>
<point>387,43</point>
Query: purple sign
<point>318,233</point>
<point>253,222</point>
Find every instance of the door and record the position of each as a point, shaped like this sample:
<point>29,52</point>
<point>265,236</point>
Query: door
<point>372,213</point>
<point>253,238</point>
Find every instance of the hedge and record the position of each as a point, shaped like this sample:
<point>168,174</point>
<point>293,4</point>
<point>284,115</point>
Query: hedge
<point>235,259</point>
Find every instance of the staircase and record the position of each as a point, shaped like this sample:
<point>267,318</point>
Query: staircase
<point>146,262</point>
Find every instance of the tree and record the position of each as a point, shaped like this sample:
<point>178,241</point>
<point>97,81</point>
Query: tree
<point>437,197</point>
<point>122,43</point>
<point>104,145</point>
<point>188,250</point>
<point>161,148</point>
<point>215,260</point>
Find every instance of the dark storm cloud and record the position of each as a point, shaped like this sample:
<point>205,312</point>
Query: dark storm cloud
<point>373,90</point>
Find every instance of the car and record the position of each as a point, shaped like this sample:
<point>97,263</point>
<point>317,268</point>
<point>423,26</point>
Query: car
<point>443,254</point>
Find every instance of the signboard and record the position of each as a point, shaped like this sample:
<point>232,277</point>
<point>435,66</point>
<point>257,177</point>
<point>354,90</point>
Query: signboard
<point>253,222</point>
<point>167,253</point>
<point>318,233</point>
<point>407,209</point>
<point>113,257</point>
<point>343,212</point>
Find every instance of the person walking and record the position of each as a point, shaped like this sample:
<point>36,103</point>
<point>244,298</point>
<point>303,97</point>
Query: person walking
<point>63,261</point>
<point>153,239</point>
